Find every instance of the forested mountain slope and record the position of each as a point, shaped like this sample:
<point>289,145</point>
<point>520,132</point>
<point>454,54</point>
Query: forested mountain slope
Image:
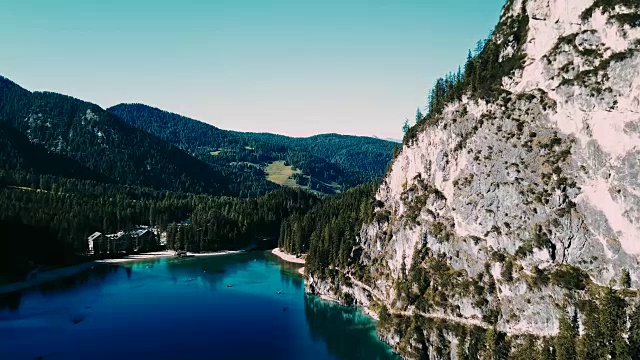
<point>509,223</point>
<point>18,153</point>
<point>361,158</point>
<point>83,136</point>
<point>327,163</point>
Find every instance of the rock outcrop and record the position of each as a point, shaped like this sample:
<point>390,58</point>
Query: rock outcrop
<point>512,204</point>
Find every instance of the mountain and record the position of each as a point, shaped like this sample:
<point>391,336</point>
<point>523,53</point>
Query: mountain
<point>358,158</point>
<point>54,134</point>
<point>325,163</point>
<point>509,223</point>
<point>17,152</point>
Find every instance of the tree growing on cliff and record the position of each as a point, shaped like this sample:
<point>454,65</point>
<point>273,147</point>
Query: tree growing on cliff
<point>527,350</point>
<point>565,342</point>
<point>612,322</point>
<point>383,316</point>
<point>634,333</point>
<point>406,126</point>
<point>490,350</point>
<point>419,115</point>
<point>625,279</point>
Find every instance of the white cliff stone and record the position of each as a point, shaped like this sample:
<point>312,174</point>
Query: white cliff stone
<point>558,158</point>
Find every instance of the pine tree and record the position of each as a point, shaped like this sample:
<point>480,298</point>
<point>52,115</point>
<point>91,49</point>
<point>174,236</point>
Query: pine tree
<point>612,321</point>
<point>406,127</point>
<point>419,115</point>
<point>525,351</point>
<point>461,347</point>
<point>590,344</point>
<point>469,71</point>
<point>383,317</point>
<point>575,323</point>
<point>490,344</point>
<point>345,250</point>
<point>634,333</point>
<point>479,47</point>
<point>622,351</point>
<point>565,341</point>
<point>625,279</point>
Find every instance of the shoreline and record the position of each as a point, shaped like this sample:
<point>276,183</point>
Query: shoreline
<point>296,260</point>
<point>365,309</point>
<point>287,257</point>
<point>161,254</point>
<point>67,271</point>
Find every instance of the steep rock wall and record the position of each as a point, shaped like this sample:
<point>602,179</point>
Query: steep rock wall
<point>512,199</point>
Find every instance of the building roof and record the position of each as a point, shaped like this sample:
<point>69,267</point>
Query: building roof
<point>139,232</point>
<point>94,236</point>
<point>116,236</point>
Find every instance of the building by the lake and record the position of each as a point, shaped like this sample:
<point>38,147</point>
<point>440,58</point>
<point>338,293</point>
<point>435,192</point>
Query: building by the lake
<point>94,239</point>
<point>139,239</point>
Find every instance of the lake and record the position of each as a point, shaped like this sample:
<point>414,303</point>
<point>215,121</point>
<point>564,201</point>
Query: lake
<point>241,306</point>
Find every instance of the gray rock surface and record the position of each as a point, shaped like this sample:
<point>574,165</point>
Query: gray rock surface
<point>547,176</point>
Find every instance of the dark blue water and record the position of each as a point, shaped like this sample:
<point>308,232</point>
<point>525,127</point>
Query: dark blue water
<point>245,306</point>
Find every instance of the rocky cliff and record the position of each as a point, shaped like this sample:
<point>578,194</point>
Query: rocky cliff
<point>501,211</point>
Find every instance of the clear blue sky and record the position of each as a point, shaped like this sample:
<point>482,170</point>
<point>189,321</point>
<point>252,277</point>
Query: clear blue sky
<point>293,67</point>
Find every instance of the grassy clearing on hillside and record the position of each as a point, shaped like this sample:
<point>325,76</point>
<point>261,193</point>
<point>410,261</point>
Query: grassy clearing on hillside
<point>281,174</point>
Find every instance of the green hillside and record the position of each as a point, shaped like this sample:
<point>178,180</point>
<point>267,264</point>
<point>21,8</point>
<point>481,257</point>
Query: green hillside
<point>325,163</point>
<point>81,135</point>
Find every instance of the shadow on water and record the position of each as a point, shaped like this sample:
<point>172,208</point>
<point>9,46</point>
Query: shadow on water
<point>93,277</point>
<point>346,331</point>
<point>10,301</point>
<point>291,278</point>
<point>96,275</point>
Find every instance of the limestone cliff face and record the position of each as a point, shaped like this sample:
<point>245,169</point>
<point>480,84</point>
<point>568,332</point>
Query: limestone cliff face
<point>510,195</point>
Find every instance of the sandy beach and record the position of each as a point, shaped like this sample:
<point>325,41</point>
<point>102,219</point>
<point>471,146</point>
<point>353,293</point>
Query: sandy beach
<point>287,257</point>
<point>159,254</point>
<point>55,274</point>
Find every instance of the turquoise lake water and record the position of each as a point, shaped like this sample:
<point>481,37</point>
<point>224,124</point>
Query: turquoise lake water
<point>242,306</point>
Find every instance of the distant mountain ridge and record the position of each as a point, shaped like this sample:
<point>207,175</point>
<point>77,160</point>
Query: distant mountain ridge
<point>81,135</point>
<point>398,141</point>
<point>46,133</point>
<point>327,163</point>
